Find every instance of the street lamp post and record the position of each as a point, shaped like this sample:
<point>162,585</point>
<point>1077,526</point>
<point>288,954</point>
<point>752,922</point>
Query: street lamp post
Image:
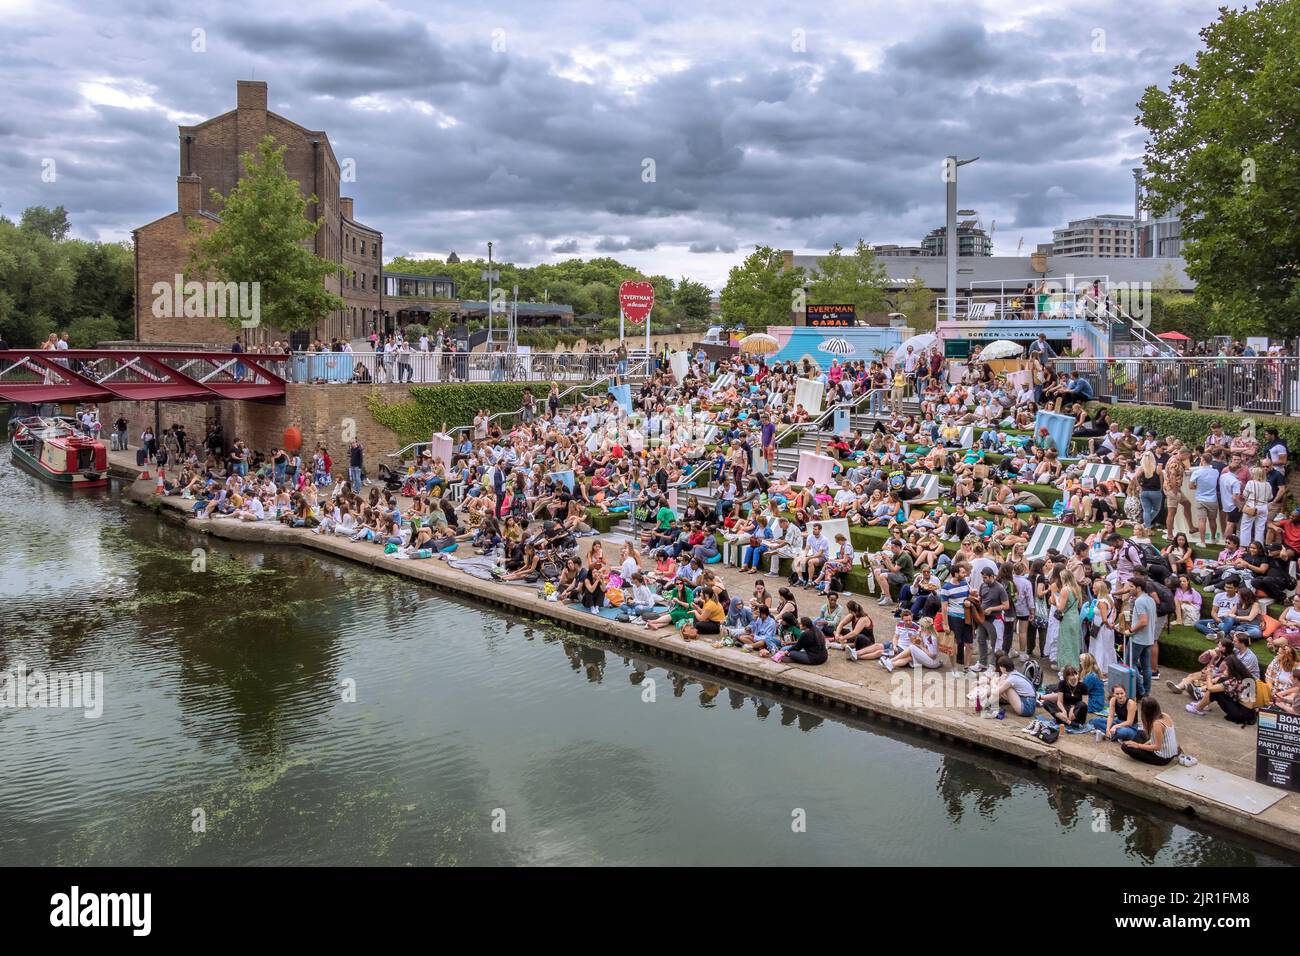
<point>489,298</point>
<point>950,242</point>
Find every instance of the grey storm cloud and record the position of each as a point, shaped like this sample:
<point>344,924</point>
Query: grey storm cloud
<point>473,125</point>
<point>610,244</point>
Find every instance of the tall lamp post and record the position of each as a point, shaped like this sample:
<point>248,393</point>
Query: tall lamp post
<point>950,241</point>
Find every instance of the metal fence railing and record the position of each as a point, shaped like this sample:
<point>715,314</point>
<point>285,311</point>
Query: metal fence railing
<point>1259,385</point>
<point>429,367</point>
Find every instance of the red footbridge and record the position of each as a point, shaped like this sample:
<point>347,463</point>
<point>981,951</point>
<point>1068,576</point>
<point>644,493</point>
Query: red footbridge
<point>40,376</point>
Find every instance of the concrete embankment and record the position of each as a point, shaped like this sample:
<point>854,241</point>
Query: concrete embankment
<point>937,707</point>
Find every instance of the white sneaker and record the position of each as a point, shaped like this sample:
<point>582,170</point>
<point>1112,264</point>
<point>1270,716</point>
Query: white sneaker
<point>1024,656</point>
<point>596,611</point>
<point>851,651</point>
<point>884,602</point>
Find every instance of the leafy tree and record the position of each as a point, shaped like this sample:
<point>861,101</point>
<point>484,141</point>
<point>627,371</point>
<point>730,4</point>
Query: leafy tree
<point>48,223</point>
<point>916,301</point>
<point>88,331</point>
<point>264,237</point>
<point>1224,142</point>
<point>856,278</point>
<point>693,299</point>
<point>760,291</point>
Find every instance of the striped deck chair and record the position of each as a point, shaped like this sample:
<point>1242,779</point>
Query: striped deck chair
<point>968,437</point>
<point>929,485</point>
<point>1099,472</point>
<point>1047,536</point>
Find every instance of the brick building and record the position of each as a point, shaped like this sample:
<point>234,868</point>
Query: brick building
<point>209,159</point>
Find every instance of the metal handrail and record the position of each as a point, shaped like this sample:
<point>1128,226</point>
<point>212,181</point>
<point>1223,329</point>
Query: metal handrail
<point>401,452</point>
<point>826,415</point>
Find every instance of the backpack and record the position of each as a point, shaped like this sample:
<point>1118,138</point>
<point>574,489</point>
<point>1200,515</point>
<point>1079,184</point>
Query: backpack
<point>1049,733</point>
<point>1033,672</point>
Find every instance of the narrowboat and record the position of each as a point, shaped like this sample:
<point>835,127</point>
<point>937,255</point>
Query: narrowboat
<point>61,454</point>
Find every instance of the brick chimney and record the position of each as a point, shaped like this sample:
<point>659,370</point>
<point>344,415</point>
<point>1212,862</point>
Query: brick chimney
<point>345,207</point>
<point>189,195</point>
<point>250,95</point>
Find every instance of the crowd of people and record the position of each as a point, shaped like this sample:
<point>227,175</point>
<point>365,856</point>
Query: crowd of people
<point>693,463</point>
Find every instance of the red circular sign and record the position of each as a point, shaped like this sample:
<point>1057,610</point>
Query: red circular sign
<point>636,299</point>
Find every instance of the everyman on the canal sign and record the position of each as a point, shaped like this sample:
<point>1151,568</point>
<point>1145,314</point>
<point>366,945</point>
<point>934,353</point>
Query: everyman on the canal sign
<point>832,316</point>
<point>636,299</point>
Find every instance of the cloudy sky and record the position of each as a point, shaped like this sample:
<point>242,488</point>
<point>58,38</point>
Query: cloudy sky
<point>674,135</point>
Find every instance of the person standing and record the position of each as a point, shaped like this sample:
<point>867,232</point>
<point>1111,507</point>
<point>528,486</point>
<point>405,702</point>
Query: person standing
<point>1069,640</point>
<point>356,459</point>
<point>1151,483</point>
<point>1255,499</point>
<point>994,602</point>
<point>1141,631</point>
<point>149,443</point>
<point>1205,479</point>
<point>238,349</point>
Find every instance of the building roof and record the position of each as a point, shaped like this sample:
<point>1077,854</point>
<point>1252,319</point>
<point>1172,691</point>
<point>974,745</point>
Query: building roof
<point>356,223</point>
<point>417,275</point>
<point>525,308</point>
<point>1019,269</point>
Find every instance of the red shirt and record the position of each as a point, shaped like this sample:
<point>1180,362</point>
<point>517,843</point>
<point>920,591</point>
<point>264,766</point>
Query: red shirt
<point>1291,533</point>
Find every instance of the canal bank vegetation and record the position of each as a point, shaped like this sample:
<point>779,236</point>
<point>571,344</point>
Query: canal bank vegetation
<point>432,408</point>
<point>50,283</point>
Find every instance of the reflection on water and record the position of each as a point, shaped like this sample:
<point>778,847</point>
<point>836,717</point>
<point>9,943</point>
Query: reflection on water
<point>229,702</point>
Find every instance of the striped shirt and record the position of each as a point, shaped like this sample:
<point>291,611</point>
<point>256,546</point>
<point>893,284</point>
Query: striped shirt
<point>955,595</point>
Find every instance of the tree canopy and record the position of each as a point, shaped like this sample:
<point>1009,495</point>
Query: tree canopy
<point>588,286</point>
<point>49,283</point>
<point>761,291</point>
<point>1224,144</point>
<point>263,237</point>
<point>855,279</point>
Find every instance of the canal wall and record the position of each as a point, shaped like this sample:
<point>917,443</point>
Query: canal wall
<point>324,414</point>
<point>870,693</point>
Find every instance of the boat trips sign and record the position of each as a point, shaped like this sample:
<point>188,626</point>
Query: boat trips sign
<point>636,299</point>
<point>832,316</point>
<point>1277,749</point>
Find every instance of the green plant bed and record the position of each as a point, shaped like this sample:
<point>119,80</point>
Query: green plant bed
<point>430,407</point>
<point>1181,647</point>
<point>602,522</point>
<point>1046,493</point>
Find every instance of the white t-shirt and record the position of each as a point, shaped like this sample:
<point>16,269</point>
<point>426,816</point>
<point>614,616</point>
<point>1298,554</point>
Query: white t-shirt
<point>1229,488</point>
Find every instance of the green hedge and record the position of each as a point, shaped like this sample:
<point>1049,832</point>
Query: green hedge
<point>1192,427</point>
<point>432,406</point>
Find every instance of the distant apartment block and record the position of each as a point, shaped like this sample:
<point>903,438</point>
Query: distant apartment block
<point>972,241</point>
<point>1098,237</point>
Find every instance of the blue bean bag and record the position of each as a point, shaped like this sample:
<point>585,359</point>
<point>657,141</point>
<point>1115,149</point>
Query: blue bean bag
<point>715,559</point>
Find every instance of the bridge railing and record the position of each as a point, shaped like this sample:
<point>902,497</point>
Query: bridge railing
<point>1254,385</point>
<point>439,367</point>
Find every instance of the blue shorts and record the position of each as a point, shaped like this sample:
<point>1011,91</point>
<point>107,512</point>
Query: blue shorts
<point>1027,706</point>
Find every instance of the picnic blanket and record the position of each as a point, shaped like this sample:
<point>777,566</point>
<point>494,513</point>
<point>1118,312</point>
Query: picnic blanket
<point>480,566</point>
<point>612,613</point>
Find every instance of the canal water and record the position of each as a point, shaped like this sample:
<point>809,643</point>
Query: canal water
<point>229,732</point>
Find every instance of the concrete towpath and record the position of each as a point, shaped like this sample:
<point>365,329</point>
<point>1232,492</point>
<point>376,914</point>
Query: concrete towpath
<point>930,702</point>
